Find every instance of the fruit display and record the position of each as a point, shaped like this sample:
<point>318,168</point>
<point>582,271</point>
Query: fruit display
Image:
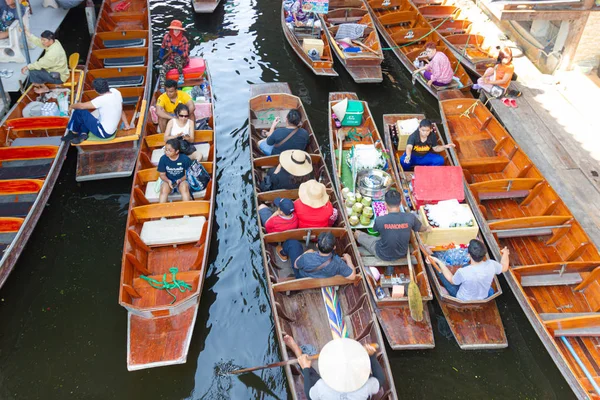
<point>359,208</point>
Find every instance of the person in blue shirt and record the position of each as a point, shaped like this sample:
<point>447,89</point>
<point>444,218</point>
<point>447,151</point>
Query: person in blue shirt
<point>172,167</point>
<point>292,137</point>
<point>8,13</point>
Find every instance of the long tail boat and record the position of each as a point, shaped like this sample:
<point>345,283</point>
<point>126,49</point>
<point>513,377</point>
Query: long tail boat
<point>364,66</point>
<point>295,38</point>
<point>313,311</point>
<point>406,31</point>
<point>394,314</point>
<point>554,264</point>
<point>165,243</point>
<point>121,53</point>
<point>31,156</point>
<point>476,325</point>
<point>205,6</point>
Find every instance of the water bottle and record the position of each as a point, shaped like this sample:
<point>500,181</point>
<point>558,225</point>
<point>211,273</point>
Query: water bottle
<point>407,196</point>
<point>380,293</point>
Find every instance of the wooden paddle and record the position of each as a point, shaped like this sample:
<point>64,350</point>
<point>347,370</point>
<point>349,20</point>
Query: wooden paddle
<point>430,259</point>
<point>364,46</point>
<point>415,301</point>
<point>73,61</point>
<point>341,153</point>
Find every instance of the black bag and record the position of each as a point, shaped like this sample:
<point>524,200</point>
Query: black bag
<point>197,177</point>
<point>266,184</point>
<point>186,147</point>
<point>202,125</point>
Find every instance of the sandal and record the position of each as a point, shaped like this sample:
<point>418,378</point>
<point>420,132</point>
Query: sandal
<point>513,103</point>
<point>506,102</point>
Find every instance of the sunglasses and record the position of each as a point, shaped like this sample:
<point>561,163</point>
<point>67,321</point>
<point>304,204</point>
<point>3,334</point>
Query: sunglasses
<point>184,115</point>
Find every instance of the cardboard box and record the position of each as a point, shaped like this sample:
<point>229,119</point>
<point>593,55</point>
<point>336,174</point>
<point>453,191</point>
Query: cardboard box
<point>444,236</point>
<point>354,113</point>
<point>402,137</point>
<point>434,184</point>
<point>308,44</point>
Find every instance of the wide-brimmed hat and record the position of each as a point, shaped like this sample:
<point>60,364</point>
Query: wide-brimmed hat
<point>296,162</point>
<point>313,194</point>
<point>340,109</point>
<point>344,365</point>
<point>176,24</point>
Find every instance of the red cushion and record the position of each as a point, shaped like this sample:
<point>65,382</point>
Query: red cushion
<point>194,70</point>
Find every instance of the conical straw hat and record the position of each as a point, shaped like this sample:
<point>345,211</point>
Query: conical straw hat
<point>340,109</point>
<point>344,365</point>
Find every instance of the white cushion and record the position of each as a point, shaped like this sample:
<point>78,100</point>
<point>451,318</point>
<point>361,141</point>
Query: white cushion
<point>153,196</point>
<point>172,231</point>
<point>203,148</point>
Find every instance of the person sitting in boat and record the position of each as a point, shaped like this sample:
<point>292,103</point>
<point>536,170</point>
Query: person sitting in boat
<point>394,229</point>
<point>283,219</point>
<point>172,167</point>
<point>497,79</point>
<point>103,121</point>
<point>182,128</point>
<point>439,70</point>
<point>474,281</point>
<point>422,146</point>
<point>52,67</point>
<point>292,137</point>
<point>174,52</point>
<point>8,14</point>
<point>313,207</point>
<point>295,167</point>
<point>323,263</point>
<point>348,370</point>
<point>168,101</point>
<point>295,14</point>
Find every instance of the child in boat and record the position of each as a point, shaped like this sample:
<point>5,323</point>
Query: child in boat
<point>182,128</point>
<point>499,76</point>
<point>313,207</point>
<point>175,50</point>
<point>422,146</point>
<point>172,167</point>
<point>281,220</point>
<point>439,70</point>
<point>474,281</point>
<point>295,167</point>
<point>292,137</point>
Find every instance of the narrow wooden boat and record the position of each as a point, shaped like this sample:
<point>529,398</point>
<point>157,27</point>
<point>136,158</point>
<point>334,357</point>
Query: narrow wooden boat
<point>476,325</point>
<point>31,156</point>
<point>160,237</point>
<point>205,6</point>
<point>365,65</point>
<point>554,264</point>
<point>121,52</point>
<point>400,329</point>
<point>299,305</point>
<point>406,31</point>
<point>322,67</point>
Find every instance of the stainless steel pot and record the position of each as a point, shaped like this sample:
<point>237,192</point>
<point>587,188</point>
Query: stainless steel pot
<point>373,183</point>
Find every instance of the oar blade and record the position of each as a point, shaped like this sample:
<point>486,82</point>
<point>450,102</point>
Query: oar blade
<point>415,302</point>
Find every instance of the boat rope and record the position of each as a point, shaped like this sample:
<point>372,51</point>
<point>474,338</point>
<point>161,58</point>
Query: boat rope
<point>419,39</point>
<point>334,312</point>
<point>165,285</point>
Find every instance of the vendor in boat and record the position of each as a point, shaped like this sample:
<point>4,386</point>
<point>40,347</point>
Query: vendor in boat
<point>394,228</point>
<point>283,219</point>
<point>323,263</point>
<point>295,167</point>
<point>313,207</point>
<point>474,281</point>
<point>439,69</point>
<point>292,137</point>
<point>422,146</point>
<point>172,167</point>
<point>52,67</point>
<point>8,14</point>
<point>174,52</point>
<point>497,79</point>
<point>182,128</point>
<point>168,101</point>
<point>348,370</point>
<point>295,14</point>
<point>103,121</point>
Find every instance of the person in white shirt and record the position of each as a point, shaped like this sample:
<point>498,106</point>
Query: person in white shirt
<point>104,121</point>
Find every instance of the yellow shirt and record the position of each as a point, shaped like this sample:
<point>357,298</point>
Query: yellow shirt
<point>165,102</point>
<point>54,60</point>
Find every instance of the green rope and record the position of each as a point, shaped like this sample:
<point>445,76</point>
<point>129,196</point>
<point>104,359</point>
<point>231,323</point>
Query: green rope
<point>419,39</point>
<point>164,285</point>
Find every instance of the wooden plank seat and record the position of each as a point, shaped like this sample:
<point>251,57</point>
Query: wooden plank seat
<point>203,148</point>
<point>484,165</point>
<point>36,123</point>
<point>528,226</point>
<point>311,283</point>
<point>37,141</point>
<point>25,172</point>
<point>554,316</point>
<point>130,101</point>
<point>369,260</point>
<point>115,44</point>
<point>404,36</point>
<point>397,18</point>
<point>586,325</point>
<point>569,278</point>
<point>15,209</point>
<point>27,152</point>
<point>124,62</point>
<point>556,268</point>
<point>172,231</point>
<point>9,225</point>
<point>504,188</point>
<point>121,81</point>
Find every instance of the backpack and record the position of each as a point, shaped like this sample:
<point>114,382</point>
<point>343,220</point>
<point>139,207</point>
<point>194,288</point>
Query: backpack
<point>197,177</point>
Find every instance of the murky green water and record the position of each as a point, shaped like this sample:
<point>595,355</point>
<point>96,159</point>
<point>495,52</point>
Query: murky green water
<point>63,334</point>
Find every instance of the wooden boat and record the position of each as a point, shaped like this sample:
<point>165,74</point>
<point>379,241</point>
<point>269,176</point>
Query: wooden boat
<point>205,6</point>
<point>322,67</point>
<point>400,329</point>
<point>476,325</point>
<point>31,156</point>
<point>298,304</point>
<point>118,33</point>
<point>364,66</point>
<point>554,264</point>
<point>159,323</point>
<point>406,31</point>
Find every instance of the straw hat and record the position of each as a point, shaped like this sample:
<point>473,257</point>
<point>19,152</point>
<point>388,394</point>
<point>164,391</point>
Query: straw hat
<point>296,162</point>
<point>340,109</point>
<point>313,194</point>
<point>344,365</point>
<point>176,24</point>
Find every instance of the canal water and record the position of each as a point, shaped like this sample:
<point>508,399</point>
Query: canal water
<point>62,332</point>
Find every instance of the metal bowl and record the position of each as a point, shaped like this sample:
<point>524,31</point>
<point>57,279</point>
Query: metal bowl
<point>373,183</point>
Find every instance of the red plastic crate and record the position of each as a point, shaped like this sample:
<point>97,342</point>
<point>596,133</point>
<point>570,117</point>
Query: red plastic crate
<point>433,184</point>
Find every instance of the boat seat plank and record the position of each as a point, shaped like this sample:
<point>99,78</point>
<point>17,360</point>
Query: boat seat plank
<point>15,209</point>
<point>130,101</point>
<point>114,44</point>
<point>37,141</point>
<point>37,123</point>
<point>121,81</point>
<point>170,210</point>
<point>587,325</point>
<point>27,152</point>
<point>24,172</point>
<point>311,283</point>
<point>542,221</point>
<point>172,231</point>
<point>124,62</point>
<point>595,331</point>
<point>152,195</point>
<point>484,165</point>
<point>497,186</point>
<point>553,316</point>
<point>372,261</point>
<point>570,278</point>
<point>203,148</point>
<point>565,266</point>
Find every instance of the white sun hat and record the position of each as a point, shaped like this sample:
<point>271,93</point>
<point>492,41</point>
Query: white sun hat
<point>344,365</point>
<point>340,109</point>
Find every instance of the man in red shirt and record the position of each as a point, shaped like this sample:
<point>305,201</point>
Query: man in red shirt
<point>281,220</point>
